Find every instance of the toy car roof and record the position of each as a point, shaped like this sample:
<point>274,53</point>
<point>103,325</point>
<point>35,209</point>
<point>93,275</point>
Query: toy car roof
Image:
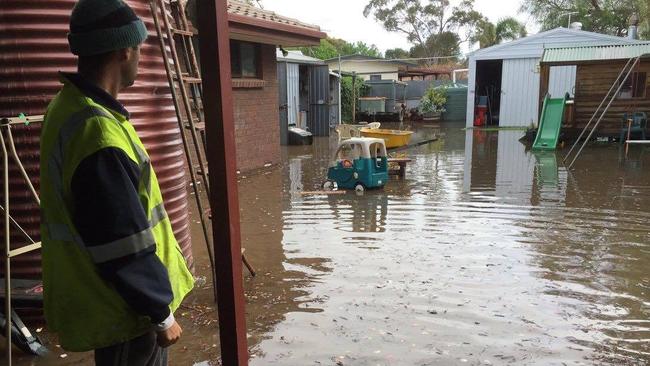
<point>362,140</point>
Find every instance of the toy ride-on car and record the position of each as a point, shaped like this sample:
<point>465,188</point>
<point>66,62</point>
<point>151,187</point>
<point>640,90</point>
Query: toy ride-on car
<point>359,163</point>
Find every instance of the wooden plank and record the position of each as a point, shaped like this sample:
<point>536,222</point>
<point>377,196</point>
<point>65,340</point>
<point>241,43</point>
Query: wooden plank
<point>314,193</point>
<point>399,160</point>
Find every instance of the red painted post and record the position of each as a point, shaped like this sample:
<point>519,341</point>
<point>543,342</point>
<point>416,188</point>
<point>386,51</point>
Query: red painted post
<point>220,137</point>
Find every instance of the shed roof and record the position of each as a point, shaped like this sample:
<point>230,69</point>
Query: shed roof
<point>580,54</point>
<point>358,57</point>
<point>297,57</point>
<point>533,46</point>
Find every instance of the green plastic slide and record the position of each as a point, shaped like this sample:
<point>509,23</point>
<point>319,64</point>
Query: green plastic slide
<point>550,123</point>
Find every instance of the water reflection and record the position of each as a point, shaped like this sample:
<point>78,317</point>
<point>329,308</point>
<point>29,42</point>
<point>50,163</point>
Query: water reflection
<point>486,253</point>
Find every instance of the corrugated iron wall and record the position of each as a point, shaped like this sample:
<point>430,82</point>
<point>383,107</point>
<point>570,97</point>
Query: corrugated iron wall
<point>33,48</point>
<point>519,92</point>
<point>319,99</point>
<point>562,79</point>
<point>283,103</point>
<point>456,107</point>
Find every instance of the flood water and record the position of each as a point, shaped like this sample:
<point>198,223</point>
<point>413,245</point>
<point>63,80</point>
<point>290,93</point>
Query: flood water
<point>485,254</point>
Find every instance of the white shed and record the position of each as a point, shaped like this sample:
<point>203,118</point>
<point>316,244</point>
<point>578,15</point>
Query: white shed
<point>508,75</point>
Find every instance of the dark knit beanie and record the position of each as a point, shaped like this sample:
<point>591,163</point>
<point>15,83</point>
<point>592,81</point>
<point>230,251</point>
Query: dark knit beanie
<point>99,26</point>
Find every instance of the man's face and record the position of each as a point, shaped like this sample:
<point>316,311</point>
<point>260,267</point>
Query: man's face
<point>130,66</point>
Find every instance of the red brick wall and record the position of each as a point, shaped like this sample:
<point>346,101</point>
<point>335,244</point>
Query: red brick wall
<point>257,125</point>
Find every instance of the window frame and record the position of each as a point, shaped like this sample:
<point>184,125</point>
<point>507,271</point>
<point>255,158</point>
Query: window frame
<point>376,77</point>
<point>235,59</point>
<point>633,78</point>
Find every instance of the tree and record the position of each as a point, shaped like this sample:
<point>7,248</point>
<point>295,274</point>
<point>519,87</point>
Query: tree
<point>644,24</point>
<point>425,24</point>
<point>348,94</point>
<point>396,53</point>
<point>332,47</point>
<point>602,16</point>
<point>506,29</point>
<point>437,45</point>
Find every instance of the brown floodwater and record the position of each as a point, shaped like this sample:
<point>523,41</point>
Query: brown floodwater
<point>485,254</point>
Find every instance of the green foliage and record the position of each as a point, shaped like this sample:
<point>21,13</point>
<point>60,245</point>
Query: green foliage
<point>434,99</point>
<point>429,24</point>
<point>443,44</point>
<point>332,47</point>
<point>396,53</point>
<point>361,89</point>
<point>490,34</point>
<point>602,16</point>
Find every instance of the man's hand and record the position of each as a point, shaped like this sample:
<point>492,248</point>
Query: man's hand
<point>170,336</point>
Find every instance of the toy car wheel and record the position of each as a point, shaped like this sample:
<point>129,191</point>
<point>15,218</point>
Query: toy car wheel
<point>359,188</point>
<point>328,185</point>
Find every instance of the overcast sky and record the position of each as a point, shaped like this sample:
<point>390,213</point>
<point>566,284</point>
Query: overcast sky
<point>344,18</point>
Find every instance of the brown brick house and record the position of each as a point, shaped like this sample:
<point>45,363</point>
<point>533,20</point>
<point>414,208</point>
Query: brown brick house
<point>255,33</point>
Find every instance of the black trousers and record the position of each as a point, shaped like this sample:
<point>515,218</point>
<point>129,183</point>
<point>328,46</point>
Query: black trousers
<point>140,351</point>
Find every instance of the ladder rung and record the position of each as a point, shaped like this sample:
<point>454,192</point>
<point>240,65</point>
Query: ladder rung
<point>197,126</point>
<point>186,122</point>
<point>182,32</point>
<point>191,80</point>
<point>185,77</point>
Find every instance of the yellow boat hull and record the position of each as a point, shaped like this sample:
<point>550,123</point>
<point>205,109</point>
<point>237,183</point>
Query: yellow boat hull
<point>392,138</point>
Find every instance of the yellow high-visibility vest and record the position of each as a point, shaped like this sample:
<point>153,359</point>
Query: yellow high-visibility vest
<point>86,311</point>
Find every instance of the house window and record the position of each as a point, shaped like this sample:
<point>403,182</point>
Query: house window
<point>375,77</point>
<point>634,86</point>
<point>245,60</point>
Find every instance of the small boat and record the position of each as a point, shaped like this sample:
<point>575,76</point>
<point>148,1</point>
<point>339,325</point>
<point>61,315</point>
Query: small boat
<point>298,136</point>
<point>392,138</point>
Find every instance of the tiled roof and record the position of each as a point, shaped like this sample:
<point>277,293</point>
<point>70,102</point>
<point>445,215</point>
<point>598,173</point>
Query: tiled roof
<point>244,9</point>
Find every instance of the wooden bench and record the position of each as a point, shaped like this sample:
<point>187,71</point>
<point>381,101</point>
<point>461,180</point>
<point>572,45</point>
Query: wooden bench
<point>402,166</point>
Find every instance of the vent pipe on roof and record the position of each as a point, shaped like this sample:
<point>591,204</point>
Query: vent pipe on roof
<point>576,26</point>
<point>632,30</point>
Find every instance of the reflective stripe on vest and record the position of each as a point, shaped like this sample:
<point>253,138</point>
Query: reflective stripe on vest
<point>58,231</point>
<point>125,246</point>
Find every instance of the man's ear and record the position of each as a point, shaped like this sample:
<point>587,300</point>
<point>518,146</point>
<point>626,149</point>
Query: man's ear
<point>125,54</point>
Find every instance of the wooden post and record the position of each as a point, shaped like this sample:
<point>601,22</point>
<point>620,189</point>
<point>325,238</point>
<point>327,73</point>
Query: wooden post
<point>220,136</point>
<point>354,97</point>
<point>544,75</point>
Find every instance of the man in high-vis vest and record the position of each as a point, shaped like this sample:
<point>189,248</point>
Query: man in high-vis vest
<point>113,272</point>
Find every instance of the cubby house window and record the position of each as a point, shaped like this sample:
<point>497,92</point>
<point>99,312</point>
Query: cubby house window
<point>245,60</point>
<point>634,86</point>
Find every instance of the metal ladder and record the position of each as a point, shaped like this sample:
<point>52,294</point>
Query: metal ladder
<point>627,69</point>
<point>184,77</point>
<point>8,149</point>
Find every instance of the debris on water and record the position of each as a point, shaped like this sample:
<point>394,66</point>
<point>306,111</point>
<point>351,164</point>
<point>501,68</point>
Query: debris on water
<point>434,312</point>
<point>63,355</point>
<point>200,281</point>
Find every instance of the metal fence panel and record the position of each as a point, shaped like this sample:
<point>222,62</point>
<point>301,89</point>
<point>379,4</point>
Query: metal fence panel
<point>282,102</point>
<point>319,100</point>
